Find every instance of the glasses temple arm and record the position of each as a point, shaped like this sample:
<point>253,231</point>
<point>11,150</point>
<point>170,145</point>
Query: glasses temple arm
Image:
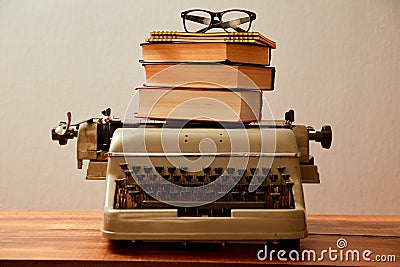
<point>238,29</point>
<point>203,30</point>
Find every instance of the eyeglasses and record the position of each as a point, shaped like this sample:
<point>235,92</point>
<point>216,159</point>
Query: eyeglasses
<point>200,20</point>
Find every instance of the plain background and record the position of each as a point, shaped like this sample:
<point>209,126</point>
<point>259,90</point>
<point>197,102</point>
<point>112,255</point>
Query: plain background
<point>337,63</point>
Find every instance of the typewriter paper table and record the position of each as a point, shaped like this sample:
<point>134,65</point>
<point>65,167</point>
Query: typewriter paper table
<point>72,238</point>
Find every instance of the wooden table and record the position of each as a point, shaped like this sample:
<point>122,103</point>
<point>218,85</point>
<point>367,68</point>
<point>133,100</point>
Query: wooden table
<point>72,238</point>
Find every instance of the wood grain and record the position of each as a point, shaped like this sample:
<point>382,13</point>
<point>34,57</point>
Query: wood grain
<point>72,238</point>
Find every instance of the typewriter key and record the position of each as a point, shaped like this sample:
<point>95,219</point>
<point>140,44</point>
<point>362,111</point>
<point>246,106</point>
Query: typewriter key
<point>140,177</point>
<point>188,178</point>
<point>273,178</point>
<point>159,169</point>
<point>236,178</point>
<point>153,177</point>
<point>176,178</point>
<point>261,179</point>
<point>171,169</point>
<point>207,170</point>
<point>213,178</point>
<point>218,170</point>
<point>266,170</point>
<point>183,170</point>
<point>124,166</point>
<point>241,171</point>
<point>225,178</point>
<point>281,168</point>
<point>136,169</point>
<point>127,173</point>
<point>254,170</point>
<point>200,178</point>
<point>230,170</point>
<point>147,169</point>
<point>248,178</point>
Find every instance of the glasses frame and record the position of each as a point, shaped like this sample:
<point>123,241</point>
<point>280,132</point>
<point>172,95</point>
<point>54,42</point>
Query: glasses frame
<point>218,23</point>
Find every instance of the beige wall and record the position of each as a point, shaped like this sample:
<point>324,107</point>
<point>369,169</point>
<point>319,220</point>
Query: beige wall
<point>337,63</point>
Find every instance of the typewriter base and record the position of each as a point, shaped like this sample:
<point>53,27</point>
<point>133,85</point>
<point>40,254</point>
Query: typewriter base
<point>243,225</point>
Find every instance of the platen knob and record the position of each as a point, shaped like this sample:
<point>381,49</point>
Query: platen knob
<point>324,136</point>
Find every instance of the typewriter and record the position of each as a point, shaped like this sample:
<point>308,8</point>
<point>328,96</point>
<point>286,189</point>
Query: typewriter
<point>164,183</point>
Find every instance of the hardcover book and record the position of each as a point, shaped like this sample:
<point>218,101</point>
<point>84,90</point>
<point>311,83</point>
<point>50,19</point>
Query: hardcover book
<point>210,76</point>
<point>206,52</point>
<point>199,104</point>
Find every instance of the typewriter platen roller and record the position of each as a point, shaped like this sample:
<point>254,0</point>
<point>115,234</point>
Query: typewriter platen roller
<point>196,182</point>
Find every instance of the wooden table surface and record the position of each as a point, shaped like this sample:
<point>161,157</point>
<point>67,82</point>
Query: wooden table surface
<point>72,238</point>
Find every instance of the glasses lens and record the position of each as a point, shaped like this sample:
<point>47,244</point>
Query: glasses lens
<point>236,21</point>
<point>197,20</point>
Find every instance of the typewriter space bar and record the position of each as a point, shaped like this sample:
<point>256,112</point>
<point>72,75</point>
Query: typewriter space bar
<point>152,204</point>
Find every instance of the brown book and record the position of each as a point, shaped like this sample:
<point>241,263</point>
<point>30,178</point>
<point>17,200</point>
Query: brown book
<point>206,52</point>
<point>173,36</point>
<point>199,104</point>
<point>210,76</point>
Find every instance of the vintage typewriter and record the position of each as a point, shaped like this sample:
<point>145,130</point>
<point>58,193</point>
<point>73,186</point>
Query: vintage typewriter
<point>249,191</point>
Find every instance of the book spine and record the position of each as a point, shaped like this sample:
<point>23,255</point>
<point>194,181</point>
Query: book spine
<point>273,78</point>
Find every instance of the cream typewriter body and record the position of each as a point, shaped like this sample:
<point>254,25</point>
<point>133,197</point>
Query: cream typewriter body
<point>199,182</point>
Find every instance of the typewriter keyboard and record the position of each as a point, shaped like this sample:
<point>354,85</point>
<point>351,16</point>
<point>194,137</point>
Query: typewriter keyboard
<point>142,186</point>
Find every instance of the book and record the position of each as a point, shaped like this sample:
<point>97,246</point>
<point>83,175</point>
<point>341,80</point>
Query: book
<point>197,40</point>
<point>206,52</point>
<point>199,104</point>
<point>173,36</point>
<point>210,76</point>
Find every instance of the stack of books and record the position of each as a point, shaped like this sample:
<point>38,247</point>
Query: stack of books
<point>205,76</point>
